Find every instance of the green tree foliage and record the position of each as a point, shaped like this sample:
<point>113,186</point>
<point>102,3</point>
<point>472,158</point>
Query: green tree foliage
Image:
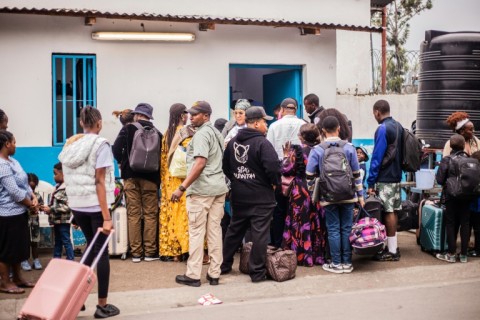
<point>399,13</point>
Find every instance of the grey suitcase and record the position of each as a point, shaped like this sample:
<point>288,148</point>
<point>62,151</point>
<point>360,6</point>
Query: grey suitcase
<point>118,245</point>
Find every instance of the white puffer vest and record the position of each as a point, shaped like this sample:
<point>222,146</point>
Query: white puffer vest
<point>78,158</point>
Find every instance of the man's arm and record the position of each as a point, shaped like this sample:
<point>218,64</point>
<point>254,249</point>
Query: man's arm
<point>377,156</point>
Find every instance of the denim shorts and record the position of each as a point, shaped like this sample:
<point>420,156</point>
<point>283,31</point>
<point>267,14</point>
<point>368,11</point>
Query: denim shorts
<point>389,193</point>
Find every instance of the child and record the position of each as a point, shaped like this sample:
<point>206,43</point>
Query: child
<point>456,210</point>
<point>34,226</point>
<point>362,156</point>
<point>475,219</point>
<point>59,215</point>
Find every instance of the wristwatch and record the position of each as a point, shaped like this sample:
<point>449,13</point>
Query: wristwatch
<point>182,188</point>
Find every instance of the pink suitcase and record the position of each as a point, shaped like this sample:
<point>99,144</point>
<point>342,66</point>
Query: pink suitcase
<point>63,288</point>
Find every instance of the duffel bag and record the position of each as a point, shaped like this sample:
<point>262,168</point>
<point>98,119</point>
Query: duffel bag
<point>281,264</point>
<point>244,257</point>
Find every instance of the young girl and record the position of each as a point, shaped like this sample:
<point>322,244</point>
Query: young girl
<point>59,214</point>
<point>34,226</point>
<point>87,162</point>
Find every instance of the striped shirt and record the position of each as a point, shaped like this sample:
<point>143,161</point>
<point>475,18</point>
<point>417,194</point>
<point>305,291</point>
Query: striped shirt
<point>14,188</point>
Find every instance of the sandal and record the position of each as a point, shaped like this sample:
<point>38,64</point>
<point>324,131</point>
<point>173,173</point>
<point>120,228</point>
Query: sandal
<point>14,290</point>
<point>25,284</point>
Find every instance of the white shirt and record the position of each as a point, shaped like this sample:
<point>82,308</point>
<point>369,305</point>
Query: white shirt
<point>283,130</point>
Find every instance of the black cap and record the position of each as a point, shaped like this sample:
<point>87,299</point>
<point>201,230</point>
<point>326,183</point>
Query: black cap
<point>200,107</point>
<point>144,109</point>
<point>257,113</point>
<point>289,103</point>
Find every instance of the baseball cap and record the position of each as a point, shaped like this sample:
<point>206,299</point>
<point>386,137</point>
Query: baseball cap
<point>289,101</point>
<point>200,107</point>
<point>144,109</point>
<point>257,113</point>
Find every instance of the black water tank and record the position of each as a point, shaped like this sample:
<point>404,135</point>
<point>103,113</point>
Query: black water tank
<point>449,81</point>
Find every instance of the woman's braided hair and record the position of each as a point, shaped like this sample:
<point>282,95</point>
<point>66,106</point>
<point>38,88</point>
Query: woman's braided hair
<point>90,116</point>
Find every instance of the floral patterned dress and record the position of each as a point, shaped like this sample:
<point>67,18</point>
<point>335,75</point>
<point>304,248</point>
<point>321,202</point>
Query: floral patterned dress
<point>173,215</point>
<point>305,231</point>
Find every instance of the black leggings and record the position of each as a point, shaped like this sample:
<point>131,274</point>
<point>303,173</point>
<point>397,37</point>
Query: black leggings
<point>89,222</point>
<point>457,215</point>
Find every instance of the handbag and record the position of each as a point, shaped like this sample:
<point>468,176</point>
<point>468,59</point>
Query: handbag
<point>244,257</point>
<point>281,264</point>
<point>287,184</point>
<point>178,164</point>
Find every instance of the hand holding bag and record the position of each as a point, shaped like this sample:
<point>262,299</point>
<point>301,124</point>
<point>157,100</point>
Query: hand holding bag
<point>287,184</point>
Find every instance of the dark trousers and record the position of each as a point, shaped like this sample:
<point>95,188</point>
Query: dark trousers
<point>457,215</point>
<point>475,224</point>
<point>279,216</point>
<point>89,222</point>
<point>258,219</point>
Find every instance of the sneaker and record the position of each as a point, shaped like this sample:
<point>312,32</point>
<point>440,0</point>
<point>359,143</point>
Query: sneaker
<point>330,267</point>
<point>37,265</point>
<point>446,257</point>
<point>473,253</point>
<point>26,265</point>
<point>109,310</point>
<point>136,259</point>
<point>148,259</point>
<point>386,255</point>
<point>463,258</point>
<point>347,268</point>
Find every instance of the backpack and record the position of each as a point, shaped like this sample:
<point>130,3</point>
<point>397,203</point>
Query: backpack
<point>144,155</point>
<point>463,177</point>
<point>368,235</point>
<point>411,152</point>
<point>336,177</point>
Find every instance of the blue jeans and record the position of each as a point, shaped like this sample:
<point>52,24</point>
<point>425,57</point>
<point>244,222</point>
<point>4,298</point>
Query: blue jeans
<point>338,218</point>
<point>62,239</point>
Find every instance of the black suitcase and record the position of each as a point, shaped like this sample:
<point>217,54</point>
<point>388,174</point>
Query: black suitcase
<point>374,207</point>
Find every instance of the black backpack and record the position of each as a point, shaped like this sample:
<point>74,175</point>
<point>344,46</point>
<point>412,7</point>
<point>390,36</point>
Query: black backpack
<point>144,155</point>
<point>463,180</point>
<point>411,152</point>
<point>336,178</point>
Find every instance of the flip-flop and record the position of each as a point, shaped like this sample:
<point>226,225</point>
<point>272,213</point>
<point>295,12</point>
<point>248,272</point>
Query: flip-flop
<point>15,290</point>
<point>25,284</point>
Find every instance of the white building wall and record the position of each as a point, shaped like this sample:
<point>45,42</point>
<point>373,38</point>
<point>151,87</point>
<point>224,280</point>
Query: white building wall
<point>157,73</point>
<point>354,67</point>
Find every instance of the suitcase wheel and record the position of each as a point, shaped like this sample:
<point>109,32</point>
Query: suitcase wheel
<point>124,256</point>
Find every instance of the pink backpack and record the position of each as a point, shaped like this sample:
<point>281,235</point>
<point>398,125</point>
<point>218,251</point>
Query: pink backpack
<point>368,235</point>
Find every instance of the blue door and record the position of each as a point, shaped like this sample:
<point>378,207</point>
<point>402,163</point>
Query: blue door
<point>280,85</point>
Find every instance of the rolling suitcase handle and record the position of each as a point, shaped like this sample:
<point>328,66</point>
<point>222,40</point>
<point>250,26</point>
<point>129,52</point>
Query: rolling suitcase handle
<point>89,248</point>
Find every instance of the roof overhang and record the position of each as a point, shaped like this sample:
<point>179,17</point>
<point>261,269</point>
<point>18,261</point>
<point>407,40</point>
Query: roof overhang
<point>380,3</point>
<point>186,18</point>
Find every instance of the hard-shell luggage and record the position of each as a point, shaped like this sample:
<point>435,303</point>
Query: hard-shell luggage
<point>118,245</point>
<point>62,289</point>
<point>374,207</point>
<point>432,229</point>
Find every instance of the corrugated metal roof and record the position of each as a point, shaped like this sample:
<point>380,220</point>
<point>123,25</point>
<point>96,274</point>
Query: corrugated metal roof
<point>185,18</point>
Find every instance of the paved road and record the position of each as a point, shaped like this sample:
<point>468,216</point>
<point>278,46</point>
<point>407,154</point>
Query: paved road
<point>452,300</point>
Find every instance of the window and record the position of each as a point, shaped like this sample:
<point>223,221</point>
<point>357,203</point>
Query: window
<point>74,86</point>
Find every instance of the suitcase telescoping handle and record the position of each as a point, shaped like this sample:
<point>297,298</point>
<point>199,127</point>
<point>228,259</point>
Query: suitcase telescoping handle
<point>92,244</point>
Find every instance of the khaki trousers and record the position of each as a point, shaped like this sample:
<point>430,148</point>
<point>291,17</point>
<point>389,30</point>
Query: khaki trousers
<point>204,216</point>
<point>142,197</point>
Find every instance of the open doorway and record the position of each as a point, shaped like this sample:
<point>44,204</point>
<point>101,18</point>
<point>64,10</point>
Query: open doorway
<point>267,85</point>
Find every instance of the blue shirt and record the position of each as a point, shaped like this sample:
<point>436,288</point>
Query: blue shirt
<point>14,188</point>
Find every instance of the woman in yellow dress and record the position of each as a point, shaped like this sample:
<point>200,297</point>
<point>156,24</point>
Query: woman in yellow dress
<point>173,215</point>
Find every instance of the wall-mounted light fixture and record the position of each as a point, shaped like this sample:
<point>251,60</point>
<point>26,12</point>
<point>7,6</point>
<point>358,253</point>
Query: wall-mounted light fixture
<point>143,36</point>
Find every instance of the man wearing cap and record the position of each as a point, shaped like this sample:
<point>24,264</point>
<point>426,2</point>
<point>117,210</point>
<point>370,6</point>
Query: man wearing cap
<point>281,131</point>
<point>140,190</point>
<point>205,188</point>
<point>312,107</point>
<point>251,164</point>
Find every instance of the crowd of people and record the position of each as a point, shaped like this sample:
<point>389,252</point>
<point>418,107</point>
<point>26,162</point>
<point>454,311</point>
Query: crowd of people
<point>217,185</point>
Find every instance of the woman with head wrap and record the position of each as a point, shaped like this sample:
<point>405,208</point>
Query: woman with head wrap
<point>460,123</point>
<point>173,215</point>
<point>231,128</point>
